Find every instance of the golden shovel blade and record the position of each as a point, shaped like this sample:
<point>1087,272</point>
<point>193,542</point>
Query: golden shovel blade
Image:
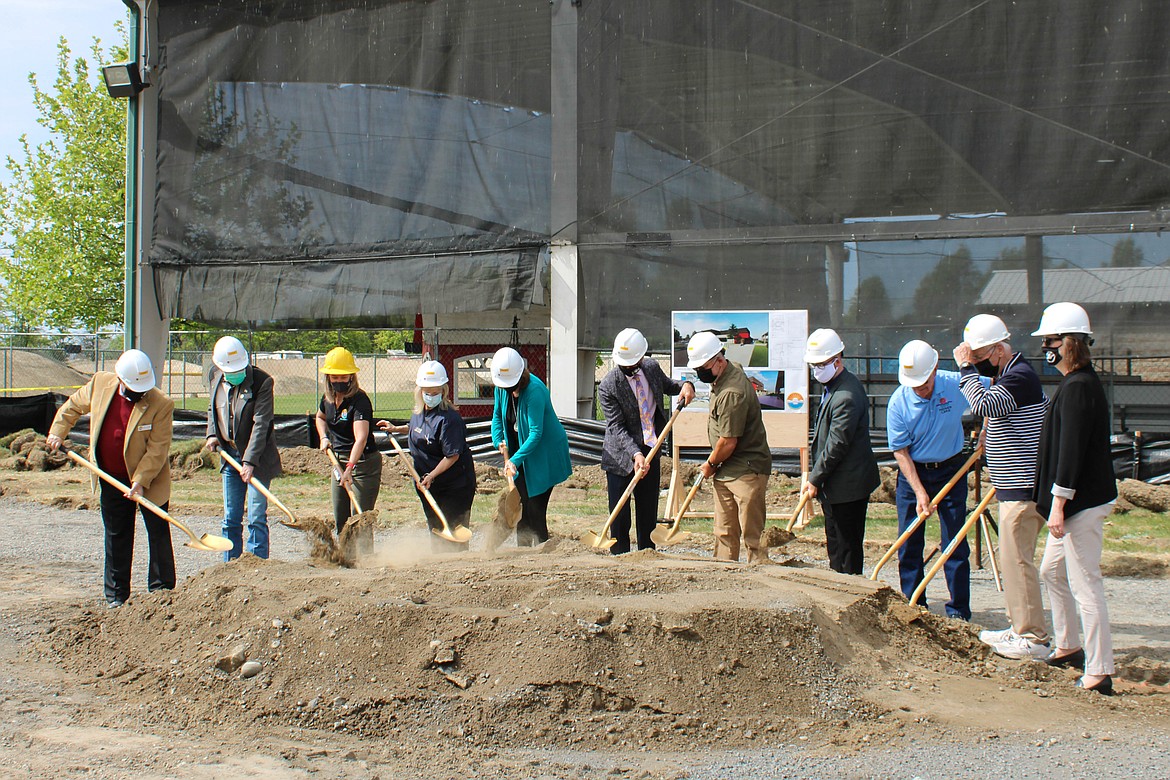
<point>508,510</point>
<point>459,534</point>
<point>597,540</point>
<point>212,542</point>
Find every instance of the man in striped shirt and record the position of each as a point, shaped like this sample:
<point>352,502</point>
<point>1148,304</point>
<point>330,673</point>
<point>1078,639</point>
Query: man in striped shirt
<point>1013,411</point>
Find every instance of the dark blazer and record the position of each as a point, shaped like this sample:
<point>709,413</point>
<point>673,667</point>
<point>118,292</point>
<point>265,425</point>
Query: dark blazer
<point>623,423</point>
<point>1074,445</point>
<point>843,465</point>
<point>251,408</point>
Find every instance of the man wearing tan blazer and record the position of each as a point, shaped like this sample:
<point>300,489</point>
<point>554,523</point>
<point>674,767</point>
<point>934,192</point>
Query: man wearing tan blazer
<point>130,439</point>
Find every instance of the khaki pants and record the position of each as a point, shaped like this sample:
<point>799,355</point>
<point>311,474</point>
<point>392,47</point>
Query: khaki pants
<point>1019,527</point>
<point>1072,571</point>
<point>739,507</point>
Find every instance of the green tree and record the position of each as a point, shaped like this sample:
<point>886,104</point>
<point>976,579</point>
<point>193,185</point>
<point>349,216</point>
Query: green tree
<point>870,304</point>
<point>1127,254</point>
<point>62,217</point>
<point>951,286</point>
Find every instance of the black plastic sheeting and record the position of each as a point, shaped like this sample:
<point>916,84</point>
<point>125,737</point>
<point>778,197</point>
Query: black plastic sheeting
<point>34,412</point>
<point>312,153</point>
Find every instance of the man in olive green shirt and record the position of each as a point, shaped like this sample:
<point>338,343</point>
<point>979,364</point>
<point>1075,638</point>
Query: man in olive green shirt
<point>740,460</point>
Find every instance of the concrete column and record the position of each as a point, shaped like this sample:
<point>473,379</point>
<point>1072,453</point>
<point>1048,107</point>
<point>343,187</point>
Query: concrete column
<point>563,362</point>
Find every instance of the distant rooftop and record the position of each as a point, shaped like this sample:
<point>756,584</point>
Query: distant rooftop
<point>1083,285</point>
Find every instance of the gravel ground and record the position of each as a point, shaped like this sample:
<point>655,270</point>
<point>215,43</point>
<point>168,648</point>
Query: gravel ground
<point>67,545</point>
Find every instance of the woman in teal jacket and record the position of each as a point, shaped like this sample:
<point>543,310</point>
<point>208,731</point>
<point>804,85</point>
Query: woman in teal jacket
<point>532,440</point>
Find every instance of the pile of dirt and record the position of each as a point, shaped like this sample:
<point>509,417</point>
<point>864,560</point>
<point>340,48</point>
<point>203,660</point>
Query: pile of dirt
<point>304,460</point>
<point>26,451</point>
<point>188,457</point>
<point>32,370</point>
<point>1155,498</point>
<point>560,649</point>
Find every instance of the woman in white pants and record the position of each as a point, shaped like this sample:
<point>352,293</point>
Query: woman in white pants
<point>1075,491</point>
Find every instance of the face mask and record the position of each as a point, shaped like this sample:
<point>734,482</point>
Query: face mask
<point>234,378</point>
<point>132,396</point>
<point>432,400</point>
<point>705,375</point>
<point>630,370</point>
<point>824,373</point>
<point>1052,355</point>
<point>986,368</point>
<point>340,388</point>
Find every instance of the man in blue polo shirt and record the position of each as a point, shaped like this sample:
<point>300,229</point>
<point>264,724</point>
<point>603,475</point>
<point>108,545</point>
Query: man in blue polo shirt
<point>925,425</point>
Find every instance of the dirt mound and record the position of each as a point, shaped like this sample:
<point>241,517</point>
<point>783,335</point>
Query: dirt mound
<point>1155,498</point>
<point>304,460</point>
<point>26,451</point>
<point>558,649</point>
<point>33,370</point>
<point>1135,566</point>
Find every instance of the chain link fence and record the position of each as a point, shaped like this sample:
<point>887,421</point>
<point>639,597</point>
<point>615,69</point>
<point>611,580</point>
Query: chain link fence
<point>35,363</point>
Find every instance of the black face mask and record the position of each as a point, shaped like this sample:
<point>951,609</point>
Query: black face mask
<point>631,370</point>
<point>132,396</point>
<point>986,368</point>
<point>705,375</point>
<point>1052,355</point>
<point>340,388</point>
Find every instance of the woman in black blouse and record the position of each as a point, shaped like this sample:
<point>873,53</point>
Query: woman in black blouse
<point>1075,491</point>
<point>343,423</point>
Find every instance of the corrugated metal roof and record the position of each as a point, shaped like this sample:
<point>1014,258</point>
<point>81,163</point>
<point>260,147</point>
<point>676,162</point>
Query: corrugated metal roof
<point>1083,285</point>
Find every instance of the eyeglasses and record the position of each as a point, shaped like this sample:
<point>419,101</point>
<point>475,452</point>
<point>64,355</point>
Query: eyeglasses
<point>1053,341</point>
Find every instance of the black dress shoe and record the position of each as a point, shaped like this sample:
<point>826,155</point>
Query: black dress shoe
<point>1105,687</point>
<point>1073,660</point>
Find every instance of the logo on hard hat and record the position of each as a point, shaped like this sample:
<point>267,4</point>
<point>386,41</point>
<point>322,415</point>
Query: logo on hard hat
<point>795,401</point>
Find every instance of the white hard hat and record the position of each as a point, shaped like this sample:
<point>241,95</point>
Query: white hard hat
<point>983,330</point>
<point>1061,318</point>
<point>822,344</point>
<point>431,374</point>
<point>703,346</point>
<point>507,367</point>
<point>135,371</point>
<point>629,347</point>
<point>229,355</point>
<point>916,362</point>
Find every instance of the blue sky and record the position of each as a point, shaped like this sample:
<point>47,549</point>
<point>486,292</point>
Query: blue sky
<point>31,30</point>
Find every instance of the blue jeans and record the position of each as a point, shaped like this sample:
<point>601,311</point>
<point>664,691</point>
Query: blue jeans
<point>952,513</point>
<point>234,491</point>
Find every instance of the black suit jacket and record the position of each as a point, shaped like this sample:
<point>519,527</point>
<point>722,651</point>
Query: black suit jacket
<point>251,406</point>
<point>843,464</point>
<point>623,423</point>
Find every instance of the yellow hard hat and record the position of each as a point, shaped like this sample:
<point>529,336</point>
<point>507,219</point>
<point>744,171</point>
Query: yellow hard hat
<point>339,360</point>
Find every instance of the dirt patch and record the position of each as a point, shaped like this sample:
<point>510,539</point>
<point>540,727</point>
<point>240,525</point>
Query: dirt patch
<point>26,451</point>
<point>1135,566</point>
<point>39,372</point>
<point>305,460</point>
<point>1155,498</point>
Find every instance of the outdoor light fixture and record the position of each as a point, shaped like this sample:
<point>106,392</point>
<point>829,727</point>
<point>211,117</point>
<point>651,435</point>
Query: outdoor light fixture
<point>123,79</point>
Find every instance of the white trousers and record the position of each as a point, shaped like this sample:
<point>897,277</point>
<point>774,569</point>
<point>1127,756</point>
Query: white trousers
<point>1072,571</point>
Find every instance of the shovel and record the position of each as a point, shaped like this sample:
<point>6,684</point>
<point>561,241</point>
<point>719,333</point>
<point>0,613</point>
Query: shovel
<point>508,509</point>
<point>460,534</point>
<point>947,553</point>
<point>604,540</point>
<point>796,512</point>
<point>292,521</point>
<point>357,508</point>
<point>918,521</point>
<point>207,542</point>
<point>666,535</point>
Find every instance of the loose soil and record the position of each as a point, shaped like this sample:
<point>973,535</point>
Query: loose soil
<point>434,665</point>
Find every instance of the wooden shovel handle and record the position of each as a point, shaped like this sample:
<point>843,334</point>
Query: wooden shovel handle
<point>629,491</point>
<point>259,486</point>
<point>426,493</point>
<point>804,497</point>
<point>357,507</point>
<point>142,500</point>
<point>947,553</point>
<point>918,521</point>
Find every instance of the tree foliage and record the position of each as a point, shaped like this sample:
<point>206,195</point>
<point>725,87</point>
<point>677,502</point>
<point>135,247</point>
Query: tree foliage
<point>871,304</point>
<point>951,286</point>
<point>1127,254</point>
<point>63,213</point>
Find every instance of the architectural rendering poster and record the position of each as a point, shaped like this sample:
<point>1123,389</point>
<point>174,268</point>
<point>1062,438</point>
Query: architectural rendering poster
<point>768,344</point>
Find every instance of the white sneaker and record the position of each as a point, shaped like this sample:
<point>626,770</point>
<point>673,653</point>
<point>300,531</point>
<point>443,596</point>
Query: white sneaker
<point>1019,648</point>
<point>995,637</point>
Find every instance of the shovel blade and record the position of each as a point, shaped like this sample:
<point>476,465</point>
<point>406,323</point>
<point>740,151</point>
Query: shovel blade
<point>670,535</point>
<point>597,541</point>
<point>508,510</point>
<point>459,534</point>
<point>216,543</point>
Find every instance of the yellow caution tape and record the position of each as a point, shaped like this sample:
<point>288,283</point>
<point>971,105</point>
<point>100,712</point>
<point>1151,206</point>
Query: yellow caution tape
<point>32,389</point>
